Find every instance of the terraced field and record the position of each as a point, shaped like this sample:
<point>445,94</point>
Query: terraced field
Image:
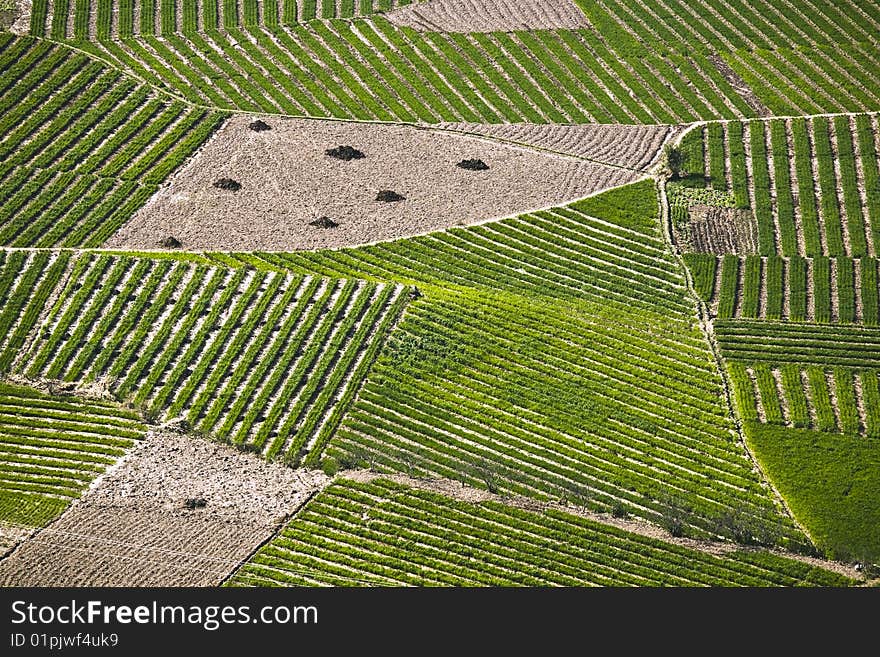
<point>511,293</point>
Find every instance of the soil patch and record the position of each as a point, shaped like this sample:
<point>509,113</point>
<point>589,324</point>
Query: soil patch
<point>720,230</point>
<point>178,511</point>
<point>291,181</point>
<point>490,15</point>
<point>631,146</point>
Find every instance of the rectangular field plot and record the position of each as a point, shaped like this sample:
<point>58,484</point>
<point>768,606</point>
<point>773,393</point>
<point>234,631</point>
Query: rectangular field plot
<point>262,359</point>
<point>385,534</point>
<point>813,184</point>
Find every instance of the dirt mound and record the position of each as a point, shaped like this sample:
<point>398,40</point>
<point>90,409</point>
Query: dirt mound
<point>228,183</point>
<point>388,196</point>
<point>345,153</point>
<point>178,511</point>
<point>259,126</point>
<point>323,222</point>
<point>170,242</point>
<point>473,165</point>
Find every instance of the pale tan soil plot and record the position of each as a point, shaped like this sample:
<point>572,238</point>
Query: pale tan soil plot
<point>287,181</point>
<point>18,17</point>
<point>458,491</point>
<point>629,146</point>
<point>721,230</point>
<point>489,15</point>
<point>11,535</point>
<point>133,528</point>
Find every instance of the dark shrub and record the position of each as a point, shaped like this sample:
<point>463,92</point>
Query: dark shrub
<point>473,165</point>
<point>323,222</point>
<point>345,153</point>
<point>228,183</point>
<point>387,196</point>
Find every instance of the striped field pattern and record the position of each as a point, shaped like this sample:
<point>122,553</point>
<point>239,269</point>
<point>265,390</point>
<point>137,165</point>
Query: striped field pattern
<point>82,146</point>
<point>786,55</point>
<point>264,360</point>
<point>384,534</point>
<point>370,69</point>
<point>836,399</point>
<point>52,447</point>
<point>822,290</point>
<point>518,344</point>
<point>813,184</point>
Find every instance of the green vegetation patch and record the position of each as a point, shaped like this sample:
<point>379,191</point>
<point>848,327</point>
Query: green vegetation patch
<point>830,482</point>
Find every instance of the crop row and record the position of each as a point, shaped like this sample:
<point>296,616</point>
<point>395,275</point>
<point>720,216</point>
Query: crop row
<point>789,55</point>
<point>381,534</point>
<point>792,289</point>
<point>838,399</point>
<point>52,447</point>
<point>797,167</point>
<point>253,354</point>
<point>371,69</point>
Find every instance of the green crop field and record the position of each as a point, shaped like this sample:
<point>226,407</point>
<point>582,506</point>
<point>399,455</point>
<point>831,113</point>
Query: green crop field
<point>52,447</point>
<point>669,382</point>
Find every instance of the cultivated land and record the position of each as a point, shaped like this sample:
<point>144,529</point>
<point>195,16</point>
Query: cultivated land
<point>640,348</point>
<point>135,529</point>
<point>287,182</point>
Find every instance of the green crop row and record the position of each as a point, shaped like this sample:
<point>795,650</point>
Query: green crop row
<point>380,533</point>
<point>804,159</point>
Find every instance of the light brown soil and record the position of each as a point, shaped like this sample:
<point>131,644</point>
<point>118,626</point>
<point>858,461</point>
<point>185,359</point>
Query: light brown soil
<point>722,230</point>
<point>630,146</point>
<point>489,15</point>
<point>287,181</point>
<point>739,85</point>
<point>132,528</point>
<point>19,18</point>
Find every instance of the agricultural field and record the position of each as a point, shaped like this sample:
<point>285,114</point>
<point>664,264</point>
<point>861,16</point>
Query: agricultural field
<point>439,293</point>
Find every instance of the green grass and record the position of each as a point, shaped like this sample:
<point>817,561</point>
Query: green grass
<point>829,481</point>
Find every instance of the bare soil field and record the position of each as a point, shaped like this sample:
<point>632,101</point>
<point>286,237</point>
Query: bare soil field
<point>490,15</point>
<point>178,511</point>
<point>287,181</point>
<point>630,146</point>
<point>722,230</point>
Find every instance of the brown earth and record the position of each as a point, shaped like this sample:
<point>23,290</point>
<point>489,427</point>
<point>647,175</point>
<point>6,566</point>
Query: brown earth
<point>133,528</point>
<point>629,146</point>
<point>287,181</point>
<point>722,230</point>
<point>489,15</point>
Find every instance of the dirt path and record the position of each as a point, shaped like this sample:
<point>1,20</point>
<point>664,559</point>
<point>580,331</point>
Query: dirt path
<point>458,491</point>
<point>133,527</point>
<point>287,181</point>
